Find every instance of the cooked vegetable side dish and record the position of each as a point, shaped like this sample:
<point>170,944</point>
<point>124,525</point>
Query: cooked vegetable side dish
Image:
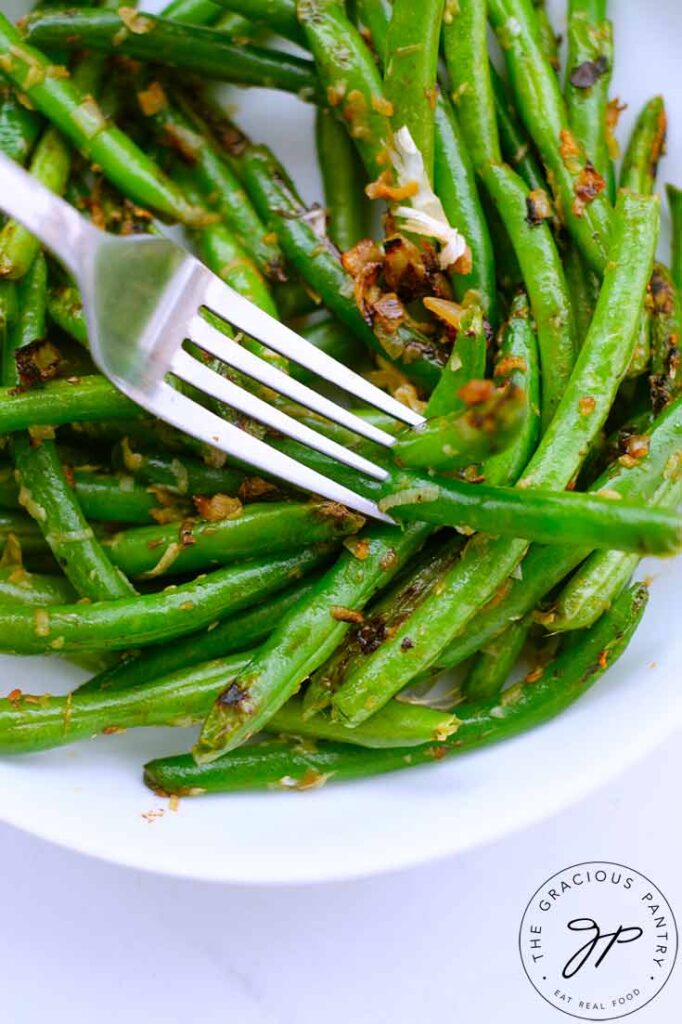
<point>482,253</point>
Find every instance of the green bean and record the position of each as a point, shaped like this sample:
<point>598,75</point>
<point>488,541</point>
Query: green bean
<point>466,55</point>
<point>65,309</point>
<point>336,340</point>
<point>550,517</point>
<point>344,436</point>
<point>545,567</point>
<point>516,146</point>
<point>599,580</point>
<point>231,140</point>
<point>227,258</point>
<point>50,165</point>
<point>281,764</point>
<point>16,584</point>
<point>8,309</point>
<point>236,633</point>
<point>114,96</point>
<point>466,363</point>
<point>578,189</point>
<point>606,353</point>
<point>225,255</point>
<point>255,531</point>
<point>509,276</point>
<point>523,215</point>
<point>102,497</point>
<point>62,401</point>
<point>665,382</point>
<point>141,431</point>
<point>119,499</point>
<point>192,12</point>
<point>374,16</point>
<point>305,637</point>
<point>30,724</point>
<point>384,615</point>
<point>588,76</point>
<point>205,12</point>
<point>177,474</point>
<point>277,202</point>
<point>19,127</point>
<point>542,569</point>
<point>149,618</point>
<point>549,41</point>
<point>583,286</point>
<point>487,563</point>
<point>464,437</point>
<point>274,764</point>
<point>275,15</point>
<point>517,365</point>
<point>645,148</point>
<point>410,73</point>
<point>544,279</point>
<point>181,128</point>
<point>88,70</point>
<point>398,724</point>
<point>47,496</point>
<point>12,311</point>
<point>592,590</point>
<point>349,77</point>
<point>494,662</point>
<point>79,118</point>
<point>294,299</point>
<point>641,354</point>
<point>541,514</point>
<point>455,186</point>
<point>410,649</point>
<point>43,487</point>
<point>235,27</point>
<point>24,532</point>
<point>344,179</point>
<point>27,724</point>
<point>204,51</point>
<point>454,179</point>
<point>675,204</point>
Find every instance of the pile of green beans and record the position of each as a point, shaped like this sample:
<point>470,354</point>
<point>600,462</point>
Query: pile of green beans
<point>307,643</point>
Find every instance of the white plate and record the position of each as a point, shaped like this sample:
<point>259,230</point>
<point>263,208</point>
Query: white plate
<point>89,797</point>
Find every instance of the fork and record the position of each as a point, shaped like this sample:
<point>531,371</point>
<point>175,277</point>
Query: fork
<point>143,298</point>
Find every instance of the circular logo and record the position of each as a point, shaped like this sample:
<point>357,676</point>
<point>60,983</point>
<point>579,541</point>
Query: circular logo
<point>598,940</point>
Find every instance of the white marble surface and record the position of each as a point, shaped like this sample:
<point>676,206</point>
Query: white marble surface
<point>82,941</point>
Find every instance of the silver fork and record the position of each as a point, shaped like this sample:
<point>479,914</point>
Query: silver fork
<point>142,299</point>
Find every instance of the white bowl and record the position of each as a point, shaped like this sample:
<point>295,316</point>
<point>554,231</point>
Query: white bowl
<point>90,798</point>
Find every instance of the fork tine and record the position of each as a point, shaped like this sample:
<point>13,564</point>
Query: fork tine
<point>237,310</point>
<point>210,382</point>
<point>231,352</point>
<point>190,418</point>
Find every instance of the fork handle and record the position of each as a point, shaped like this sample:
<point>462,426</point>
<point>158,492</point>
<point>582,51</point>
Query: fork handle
<point>47,216</point>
